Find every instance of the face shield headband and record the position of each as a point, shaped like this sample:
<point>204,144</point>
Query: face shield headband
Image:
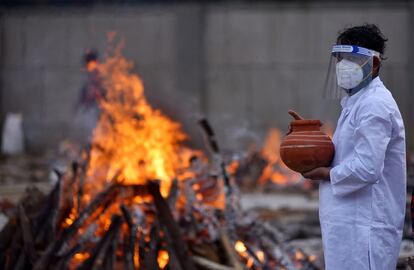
<point>350,70</point>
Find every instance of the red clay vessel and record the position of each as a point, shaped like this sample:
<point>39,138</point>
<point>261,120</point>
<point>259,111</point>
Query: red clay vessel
<point>306,147</point>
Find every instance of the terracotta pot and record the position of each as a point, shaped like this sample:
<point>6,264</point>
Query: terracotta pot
<point>306,147</point>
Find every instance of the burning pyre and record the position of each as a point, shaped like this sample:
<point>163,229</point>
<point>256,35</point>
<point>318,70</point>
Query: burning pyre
<point>139,199</point>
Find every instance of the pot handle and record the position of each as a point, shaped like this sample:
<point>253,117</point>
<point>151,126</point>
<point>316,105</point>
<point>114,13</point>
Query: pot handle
<point>296,116</point>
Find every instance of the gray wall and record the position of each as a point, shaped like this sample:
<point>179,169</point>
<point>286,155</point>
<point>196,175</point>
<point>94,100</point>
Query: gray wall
<point>241,66</point>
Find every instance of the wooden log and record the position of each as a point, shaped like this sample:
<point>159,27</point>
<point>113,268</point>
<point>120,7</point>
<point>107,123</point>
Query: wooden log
<point>128,255</point>
<point>129,245</point>
<point>64,260</point>
<point>21,262</point>
<point>66,252</point>
<point>142,251</point>
<point>232,256</point>
<point>253,256</point>
<point>28,243</point>
<point>152,257</point>
<point>12,244</point>
<point>102,198</point>
<point>231,208</point>
<point>14,250</point>
<point>205,125</point>
<point>410,262</point>
<point>272,240</point>
<point>210,265</point>
<point>212,142</point>
<point>207,250</point>
<point>137,190</point>
<point>172,230</point>
<point>43,223</point>
<point>109,259</point>
<point>174,262</point>
<point>173,194</point>
<point>6,237</point>
<point>56,205</point>
<point>78,174</point>
<point>96,258</point>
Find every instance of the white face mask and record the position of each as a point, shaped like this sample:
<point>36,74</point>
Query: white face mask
<point>348,74</point>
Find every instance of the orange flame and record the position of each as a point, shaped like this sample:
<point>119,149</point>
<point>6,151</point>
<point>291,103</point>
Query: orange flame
<point>163,258</point>
<point>275,170</point>
<point>81,256</point>
<point>132,140</point>
<point>312,258</point>
<point>299,255</point>
<point>92,65</point>
<point>260,255</point>
<point>240,247</point>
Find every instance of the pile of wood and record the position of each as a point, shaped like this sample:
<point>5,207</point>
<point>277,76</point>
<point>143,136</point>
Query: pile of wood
<point>36,238</point>
<point>135,227</point>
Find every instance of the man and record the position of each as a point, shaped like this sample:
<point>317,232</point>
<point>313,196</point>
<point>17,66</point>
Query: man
<point>363,195</point>
<point>87,107</point>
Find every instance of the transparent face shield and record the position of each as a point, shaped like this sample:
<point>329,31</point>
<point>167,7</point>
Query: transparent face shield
<point>350,70</point>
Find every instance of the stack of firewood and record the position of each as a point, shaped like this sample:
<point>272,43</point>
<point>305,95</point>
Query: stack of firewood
<point>36,237</point>
<point>135,227</point>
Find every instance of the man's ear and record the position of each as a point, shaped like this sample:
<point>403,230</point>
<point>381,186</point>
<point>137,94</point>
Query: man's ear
<point>376,66</point>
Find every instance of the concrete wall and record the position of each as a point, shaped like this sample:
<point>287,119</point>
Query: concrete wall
<point>242,66</point>
<point>264,60</point>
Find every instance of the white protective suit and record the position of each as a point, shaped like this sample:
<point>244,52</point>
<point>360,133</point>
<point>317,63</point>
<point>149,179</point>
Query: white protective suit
<point>362,208</point>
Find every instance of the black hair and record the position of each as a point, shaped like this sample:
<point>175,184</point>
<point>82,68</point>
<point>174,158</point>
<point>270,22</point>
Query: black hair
<point>368,36</point>
<point>90,56</point>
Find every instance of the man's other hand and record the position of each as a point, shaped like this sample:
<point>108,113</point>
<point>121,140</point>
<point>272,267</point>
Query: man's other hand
<point>321,173</point>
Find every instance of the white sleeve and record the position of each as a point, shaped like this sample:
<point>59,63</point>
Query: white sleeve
<point>372,136</point>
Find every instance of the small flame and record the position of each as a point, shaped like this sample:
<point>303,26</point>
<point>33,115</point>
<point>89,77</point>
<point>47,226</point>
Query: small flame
<point>81,256</point>
<point>136,256</point>
<point>91,65</point>
<point>70,219</point>
<point>312,258</point>
<point>233,166</point>
<point>250,263</point>
<point>299,255</point>
<point>240,247</point>
<point>260,255</point>
<point>163,258</point>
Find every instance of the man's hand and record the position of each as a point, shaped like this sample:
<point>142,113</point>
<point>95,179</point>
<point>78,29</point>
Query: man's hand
<point>321,173</point>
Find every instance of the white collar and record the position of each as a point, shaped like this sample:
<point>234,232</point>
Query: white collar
<point>349,101</point>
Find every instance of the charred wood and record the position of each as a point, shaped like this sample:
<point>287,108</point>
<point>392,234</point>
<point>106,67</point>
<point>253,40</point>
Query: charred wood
<point>6,238</point>
<point>130,237</point>
<point>172,230</point>
<point>150,259</point>
<point>230,252</point>
<point>96,259</point>
<point>210,265</point>
<point>28,243</point>
<point>102,198</point>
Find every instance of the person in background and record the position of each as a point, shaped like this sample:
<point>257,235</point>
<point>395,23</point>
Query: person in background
<point>87,106</point>
<point>363,193</point>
